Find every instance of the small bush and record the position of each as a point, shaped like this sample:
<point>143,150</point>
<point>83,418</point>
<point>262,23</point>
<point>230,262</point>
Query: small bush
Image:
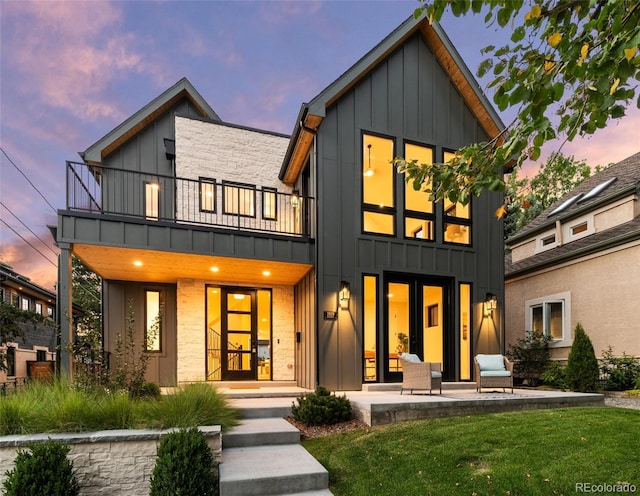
<point>582,366</point>
<point>150,390</point>
<point>184,466</point>
<point>530,357</point>
<point>620,373</point>
<point>44,470</point>
<point>321,408</point>
<point>555,376</point>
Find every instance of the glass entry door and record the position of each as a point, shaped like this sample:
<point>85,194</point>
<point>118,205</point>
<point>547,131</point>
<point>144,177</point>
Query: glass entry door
<point>417,322</point>
<point>239,335</point>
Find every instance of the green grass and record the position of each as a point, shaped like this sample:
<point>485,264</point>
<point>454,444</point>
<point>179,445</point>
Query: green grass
<point>544,452</point>
<point>56,407</point>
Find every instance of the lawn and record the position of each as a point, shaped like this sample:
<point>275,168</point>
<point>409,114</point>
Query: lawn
<point>543,452</point>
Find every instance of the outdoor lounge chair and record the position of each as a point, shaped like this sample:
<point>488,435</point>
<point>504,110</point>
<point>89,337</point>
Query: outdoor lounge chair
<point>493,371</point>
<point>420,375</point>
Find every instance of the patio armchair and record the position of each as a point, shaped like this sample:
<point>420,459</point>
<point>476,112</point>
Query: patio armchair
<point>419,375</point>
<point>493,371</point>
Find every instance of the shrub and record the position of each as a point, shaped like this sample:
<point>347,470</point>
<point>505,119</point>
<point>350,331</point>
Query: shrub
<point>150,390</point>
<point>44,470</point>
<point>321,408</point>
<point>530,356</point>
<point>582,365</point>
<point>555,376</point>
<point>620,373</point>
<point>184,466</point>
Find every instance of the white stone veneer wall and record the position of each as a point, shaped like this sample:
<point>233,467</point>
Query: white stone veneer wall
<point>191,296</point>
<point>114,463</point>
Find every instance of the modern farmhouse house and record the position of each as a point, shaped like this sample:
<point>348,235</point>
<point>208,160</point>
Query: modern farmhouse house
<point>578,262</point>
<point>248,255</point>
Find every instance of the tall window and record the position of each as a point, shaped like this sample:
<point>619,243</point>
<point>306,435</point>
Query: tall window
<point>465,331</point>
<point>370,320</point>
<point>25,304</point>
<point>269,203</point>
<point>39,308</point>
<point>239,199</point>
<point>207,195</point>
<point>153,321</point>
<point>457,218</point>
<point>419,217</point>
<point>151,199</point>
<point>11,361</point>
<point>378,202</point>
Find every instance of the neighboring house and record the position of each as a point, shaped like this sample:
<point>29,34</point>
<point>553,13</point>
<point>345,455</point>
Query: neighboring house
<point>579,262</point>
<point>299,258</point>
<point>39,341</point>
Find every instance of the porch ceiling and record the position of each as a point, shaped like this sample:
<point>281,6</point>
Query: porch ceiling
<point>167,267</point>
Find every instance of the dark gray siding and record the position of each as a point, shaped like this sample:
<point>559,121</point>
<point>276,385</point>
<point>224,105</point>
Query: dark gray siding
<point>407,96</point>
<point>117,296</point>
<point>305,325</point>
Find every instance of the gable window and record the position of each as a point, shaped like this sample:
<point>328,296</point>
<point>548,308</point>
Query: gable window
<point>378,201</point>
<point>207,195</point>
<point>269,203</point>
<point>153,321</point>
<point>151,200</point>
<point>457,217</point>
<point>419,215</point>
<point>239,199</point>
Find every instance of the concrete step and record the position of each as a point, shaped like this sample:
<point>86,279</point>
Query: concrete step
<point>252,408</point>
<point>261,432</point>
<point>271,470</point>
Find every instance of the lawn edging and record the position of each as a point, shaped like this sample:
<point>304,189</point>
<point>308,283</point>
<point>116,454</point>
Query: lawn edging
<point>114,462</point>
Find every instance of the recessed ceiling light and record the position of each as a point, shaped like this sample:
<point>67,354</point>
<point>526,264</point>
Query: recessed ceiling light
<point>137,263</point>
<point>266,273</point>
<point>215,269</point>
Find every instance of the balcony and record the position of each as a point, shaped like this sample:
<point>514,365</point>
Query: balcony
<point>207,202</point>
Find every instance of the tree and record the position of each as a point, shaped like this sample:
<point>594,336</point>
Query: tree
<point>526,198</point>
<point>582,365</point>
<point>572,67</point>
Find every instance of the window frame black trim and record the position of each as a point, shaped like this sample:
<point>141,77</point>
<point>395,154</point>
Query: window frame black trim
<point>208,180</point>
<point>238,186</point>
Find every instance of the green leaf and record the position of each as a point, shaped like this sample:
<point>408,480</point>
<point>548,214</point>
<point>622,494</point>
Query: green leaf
<point>518,34</point>
<point>503,17</point>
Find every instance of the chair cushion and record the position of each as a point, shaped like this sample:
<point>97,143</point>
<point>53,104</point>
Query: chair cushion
<point>436,375</point>
<point>410,357</point>
<point>490,362</point>
<point>495,373</point>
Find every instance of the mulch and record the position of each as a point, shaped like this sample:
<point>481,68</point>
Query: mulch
<point>315,431</point>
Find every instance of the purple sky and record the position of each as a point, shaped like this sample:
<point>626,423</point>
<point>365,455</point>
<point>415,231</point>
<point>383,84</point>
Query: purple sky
<point>71,71</point>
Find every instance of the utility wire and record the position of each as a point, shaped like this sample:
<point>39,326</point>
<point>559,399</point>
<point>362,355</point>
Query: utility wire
<point>28,180</point>
<point>28,242</point>
<point>29,229</point>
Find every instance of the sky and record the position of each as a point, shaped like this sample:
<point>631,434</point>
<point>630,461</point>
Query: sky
<point>72,71</point>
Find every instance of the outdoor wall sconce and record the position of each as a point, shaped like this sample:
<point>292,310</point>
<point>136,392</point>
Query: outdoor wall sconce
<point>295,198</point>
<point>344,294</point>
<point>490,304</point>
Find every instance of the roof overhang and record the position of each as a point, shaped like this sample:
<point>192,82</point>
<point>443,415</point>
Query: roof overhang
<point>312,114</point>
<point>183,89</point>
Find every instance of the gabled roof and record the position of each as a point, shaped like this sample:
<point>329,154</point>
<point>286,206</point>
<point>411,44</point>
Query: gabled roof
<point>627,178</point>
<point>311,114</point>
<point>627,182</point>
<point>147,114</point>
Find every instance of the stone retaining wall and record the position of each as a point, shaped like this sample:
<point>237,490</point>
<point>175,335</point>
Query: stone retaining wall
<point>114,463</point>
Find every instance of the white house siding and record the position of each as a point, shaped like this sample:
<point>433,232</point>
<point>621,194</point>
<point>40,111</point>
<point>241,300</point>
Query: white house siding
<point>605,306</point>
<point>191,356</point>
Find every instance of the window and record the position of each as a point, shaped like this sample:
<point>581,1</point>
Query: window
<point>580,228</point>
<point>153,321</point>
<point>1,294</point>
<point>239,199</point>
<point>50,312</point>
<point>419,216</point>
<point>549,240</point>
<point>269,203</point>
<point>465,331</point>
<point>15,300</point>
<point>39,308</point>
<point>207,195</point>
<point>378,201</point>
<point>551,316</point>
<point>25,304</point>
<point>41,355</point>
<point>370,312</point>
<point>457,217</point>
<point>151,200</point>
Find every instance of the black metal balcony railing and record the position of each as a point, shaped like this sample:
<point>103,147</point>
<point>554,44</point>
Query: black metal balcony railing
<point>204,202</point>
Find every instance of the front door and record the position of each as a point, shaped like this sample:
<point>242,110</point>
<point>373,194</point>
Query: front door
<point>417,321</point>
<point>239,335</point>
